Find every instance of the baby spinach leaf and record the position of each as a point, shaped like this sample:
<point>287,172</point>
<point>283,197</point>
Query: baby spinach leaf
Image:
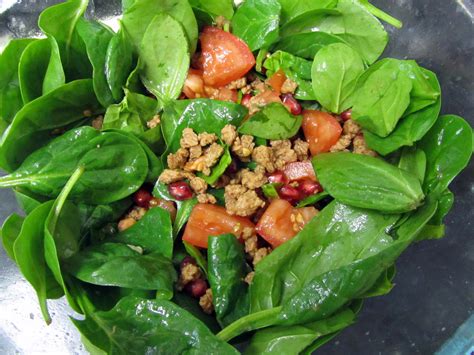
<point>202,115</point>
<point>272,122</point>
<point>294,339</point>
<point>448,149</point>
<point>383,285</point>
<point>62,234</point>
<point>219,169</point>
<point>410,128</point>
<point>118,63</point>
<point>10,230</point>
<point>155,166</point>
<point>367,182</point>
<point>257,22</point>
<point>97,216</point>
<point>293,8</point>
<point>183,213</point>
<point>137,18</point>
<point>295,68</point>
<point>113,264</point>
<point>307,21</point>
<point>35,122</point>
<point>306,45</point>
<point>153,233</point>
<point>226,273</point>
<point>382,99</point>
<point>132,116</point>
<point>270,190</point>
<point>426,88</point>
<point>27,201</point>
<point>163,71</point>
<point>445,203</point>
<point>10,94</point>
<point>311,200</point>
<point>414,161</point>
<point>164,328</point>
<point>381,14</point>
<point>29,256</point>
<point>431,232</point>
<point>59,22</point>
<point>120,170</point>
<point>96,37</point>
<point>191,305</point>
<point>40,69</point>
<point>335,71</point>
<point>196,254</point>
<point>214,7</point>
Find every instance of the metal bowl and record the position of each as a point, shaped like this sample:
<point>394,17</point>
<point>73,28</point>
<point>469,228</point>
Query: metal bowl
<point>434,293</point>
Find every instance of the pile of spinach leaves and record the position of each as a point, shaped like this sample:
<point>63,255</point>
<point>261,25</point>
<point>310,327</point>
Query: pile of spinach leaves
<point>74,182</point>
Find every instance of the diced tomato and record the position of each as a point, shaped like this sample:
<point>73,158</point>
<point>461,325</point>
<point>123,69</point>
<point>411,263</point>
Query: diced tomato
<point>321,130</point>
<point>225,57</point>
<point>211,220</point>
<point>281,221</point>
<point>300,170</point>
<point>194,84</point>
<point>276,81</point>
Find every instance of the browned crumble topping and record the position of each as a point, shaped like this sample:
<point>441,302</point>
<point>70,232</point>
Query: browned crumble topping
<point>206,302</point>
<point>289,86</point>
<point>243,147</point>
<point>253,179</point>
<point>241,201</point>
<point>154,122</point>
<point>126,223</point>
<point>169,176</point>
<point>207,139</point>
<point>221,22</point>
<point>249,278</point>
<point>198,185</point>
<point>195,152</point>
<point>98,122</point>
<point>352,134</point>
<point>228,134</point>
<point>263,156</point>
<point>237,84</point>
<point>283,153</point>
<point>189,273</point>
<point>189,138</point>
<point>206,198</point>
<point>301,149</point>
<point>255,253</point>
<point>178,160</point>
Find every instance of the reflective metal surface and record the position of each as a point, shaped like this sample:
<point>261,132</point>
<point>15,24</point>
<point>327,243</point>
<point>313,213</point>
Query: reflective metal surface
<point>434,291</point>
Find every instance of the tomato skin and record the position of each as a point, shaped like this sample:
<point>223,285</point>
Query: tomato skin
<point>277,225</point>
<point>321,130</point>
<point>225,57</point>
<point>276,81</point>
<point>194,85</point>
<point>207,219</point>
<point>300,170</point>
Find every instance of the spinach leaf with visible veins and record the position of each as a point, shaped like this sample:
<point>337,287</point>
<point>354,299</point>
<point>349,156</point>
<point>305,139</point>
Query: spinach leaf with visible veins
<point>30,258</point>
<point>10,94</point>
<point>257,22</point>
<point>368,182</point>
<point>306,45</point>
<point>164,328</point>
<point>164,71</point>
<point>96,37</point>
<point>9,233</point>
<point>335,71</point>
<point>137,18</point>
<point>272,122</point>
<point>60,22</point>
<point>35,122</point>
<point>118,63</point>
<point>40,69</point>
<point>153,233</point>
<point>413,160</point>
<point>115,166</point>
<point>226,273</point>
<point>448,149</point>
<point>113,264</point>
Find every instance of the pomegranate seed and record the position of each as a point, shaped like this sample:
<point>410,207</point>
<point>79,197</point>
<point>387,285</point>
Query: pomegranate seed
<point>142,198</point>
<point>245,100</point>
<point>289,193</point>
<point>308,187</point>
<point>346,115</point>
<point>186,261</point>
<point>278,177</point>
<point>232,168</point>
<point>292,104</point>
<point>180,190</point>
<point>196,288</point>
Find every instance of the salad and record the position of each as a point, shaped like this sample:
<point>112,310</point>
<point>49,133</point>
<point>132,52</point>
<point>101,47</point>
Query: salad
<point>212,175</point>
